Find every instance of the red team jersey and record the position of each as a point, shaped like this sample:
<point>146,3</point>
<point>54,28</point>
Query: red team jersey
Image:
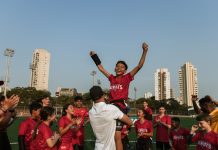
<point>78,136</point>
<point>26,128</point>
<point>66,139</point>
<point>124,129</point>
<point>206,141</point>
<point>119,87</point>
<point>145,127</point>
<point>148,110</point>
<point>162,131</point>
<point>44,133</point>
<point>179,138</point>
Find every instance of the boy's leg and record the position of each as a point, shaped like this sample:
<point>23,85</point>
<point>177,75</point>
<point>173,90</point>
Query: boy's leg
<point>118,140</point>
<point>119,126</point>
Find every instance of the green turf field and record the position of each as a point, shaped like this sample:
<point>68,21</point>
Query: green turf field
<point>89,137</point>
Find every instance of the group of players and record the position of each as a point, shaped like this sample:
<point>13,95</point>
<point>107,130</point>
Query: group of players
<point>35,132</point>
<point>112,135</point>
<point>171,135</point>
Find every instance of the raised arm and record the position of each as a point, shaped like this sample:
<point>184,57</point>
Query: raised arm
<point>196,108</point>
<point>142,60</point>
<point>97,61</point>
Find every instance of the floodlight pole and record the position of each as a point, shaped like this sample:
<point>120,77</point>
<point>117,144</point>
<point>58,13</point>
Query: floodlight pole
<point>9,53</point>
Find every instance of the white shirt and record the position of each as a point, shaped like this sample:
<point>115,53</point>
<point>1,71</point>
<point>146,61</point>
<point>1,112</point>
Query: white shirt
<point>103,121</point>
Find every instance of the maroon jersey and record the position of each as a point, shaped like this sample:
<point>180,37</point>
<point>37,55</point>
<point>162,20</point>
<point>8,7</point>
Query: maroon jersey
<point>145,127</point>
<point>148,110</point>
<point>67,137</point>
<point>119,87</point>
<point>179,138</point>
<point>78,135</point>
<point>125,129</point>
<point>206,141</point>
<point>162,131</point>
<point>26,128</point>
<point>44,133</point>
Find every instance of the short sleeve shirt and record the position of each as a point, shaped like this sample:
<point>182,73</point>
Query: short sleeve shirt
<point>44,133</point>
<point>119,87</point>
<point>26,128</point>
<point>208,141</point>
<point>103,122</point>
<point>162,131</point>
<point>67,137</point>
<point>145,127</point>
<point>179,138</point>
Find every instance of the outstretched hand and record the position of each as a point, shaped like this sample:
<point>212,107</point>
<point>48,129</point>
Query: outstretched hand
<point>92,53</point>
<point>194,128</point>
<point>12,102</point>
<point>145,46</point>
<point>194,98</point>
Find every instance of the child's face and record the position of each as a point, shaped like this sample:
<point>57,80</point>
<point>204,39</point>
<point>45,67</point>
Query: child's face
<point>162,110</point>
<point>145,104</point>
<point>174,124</point>
<point>120,69</point>
<point>70,110</point>
<point>46,101</point>
<point>52,117</point>
<point>140,114</point>
<point>78,103</point>
<point>36,113</point>
<point>204,124</point>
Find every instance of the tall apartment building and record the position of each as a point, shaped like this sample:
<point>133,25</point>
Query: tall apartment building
<point>188,83</point>
<point>162,84</point>
<point>40,69</point>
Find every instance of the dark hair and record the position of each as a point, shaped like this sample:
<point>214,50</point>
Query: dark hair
<point>176,119</point>
<point>96,93</point>
<point>2,98</point>
<point>206,99</point>
<point>42,96</point>
<point>162,106</point>
<point>122,62</point>
<point>203,117</point>
<point>78,98</point>
<point>146,114</point>
<point>34,106</point>
<point>46,112</point>
<point>64,109</point>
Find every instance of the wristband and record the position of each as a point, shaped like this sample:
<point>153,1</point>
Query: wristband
<point>11,110</point>
<point>96,59</point>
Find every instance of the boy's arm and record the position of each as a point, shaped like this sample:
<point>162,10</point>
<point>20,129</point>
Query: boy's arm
<point>126,120</point>
<point>142,60</point>
<point>196,108</point>
<point>97,61</point>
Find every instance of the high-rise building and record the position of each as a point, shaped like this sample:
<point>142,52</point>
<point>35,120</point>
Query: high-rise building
<point>162,84</point>
<point>188,83</point>
<point>40,69</point>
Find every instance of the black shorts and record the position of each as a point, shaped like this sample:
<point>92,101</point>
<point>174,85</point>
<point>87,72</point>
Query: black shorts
<point>162,145</point>
<point>144,144</point>
<point>122,106</point>
<point>4,141</point>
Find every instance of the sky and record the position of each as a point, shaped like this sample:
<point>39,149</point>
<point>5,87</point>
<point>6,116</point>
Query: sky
<point>176,32</point>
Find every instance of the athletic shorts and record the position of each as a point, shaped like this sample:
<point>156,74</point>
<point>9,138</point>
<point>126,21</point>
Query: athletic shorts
<point>123,107</point>
<point>4,141</point>
<point>144,144</point>
<point>162,145</point>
